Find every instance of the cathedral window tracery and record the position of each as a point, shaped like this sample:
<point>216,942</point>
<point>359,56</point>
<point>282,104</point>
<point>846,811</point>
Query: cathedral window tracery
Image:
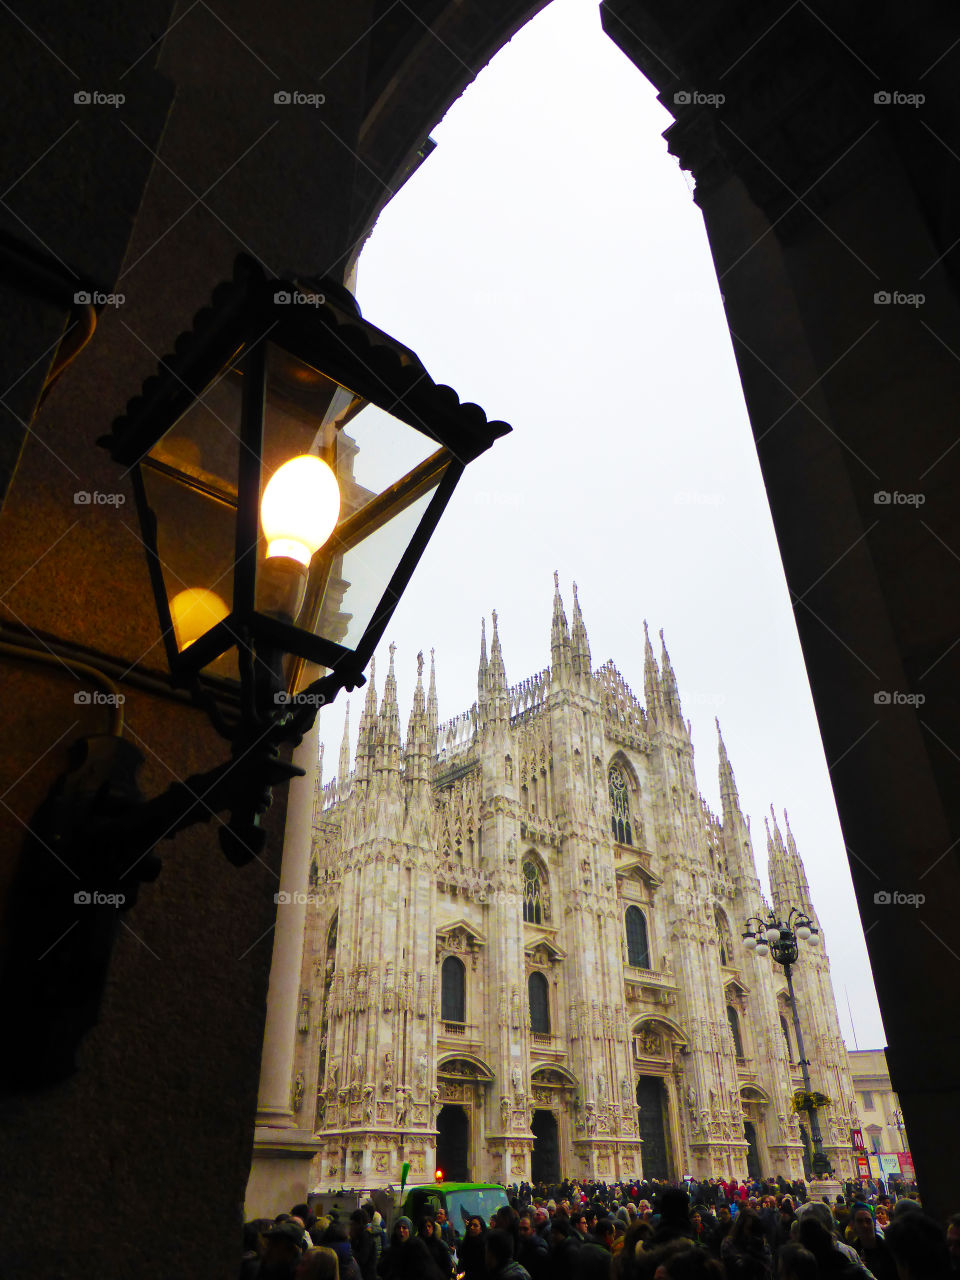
<point>536,902</point>
<point>638,946</point>
<point>620,806</point>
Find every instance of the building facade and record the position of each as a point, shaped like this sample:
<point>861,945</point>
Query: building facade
<point>885,1139</point>
<point>523,953</point>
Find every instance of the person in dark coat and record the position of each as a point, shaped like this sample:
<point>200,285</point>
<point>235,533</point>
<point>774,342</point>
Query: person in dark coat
<point>388,1268</point>
<point>501,1264</point>
<point>532,1252</point>
<point>746,1252</point>
<point>470,1250</point>
<point>430,1235</point>
<point>674,1221</point>
<point>363,1246</point>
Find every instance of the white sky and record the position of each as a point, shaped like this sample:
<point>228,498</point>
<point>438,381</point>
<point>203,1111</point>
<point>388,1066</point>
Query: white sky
<point>549,263</point>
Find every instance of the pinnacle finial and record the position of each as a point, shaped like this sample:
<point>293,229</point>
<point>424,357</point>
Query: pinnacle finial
<point>420,665</point>
<point>556,578</point>
<point>493,615</point>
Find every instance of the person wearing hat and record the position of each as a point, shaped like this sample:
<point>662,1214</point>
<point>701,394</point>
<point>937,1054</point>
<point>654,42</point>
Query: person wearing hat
<point>820,1212</point>
<point>282,1248</point>
<point>388,1268</point>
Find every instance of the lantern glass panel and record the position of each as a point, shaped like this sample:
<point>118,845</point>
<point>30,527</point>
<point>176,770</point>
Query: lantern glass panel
<point>385,472</point>
<point>190,482</point>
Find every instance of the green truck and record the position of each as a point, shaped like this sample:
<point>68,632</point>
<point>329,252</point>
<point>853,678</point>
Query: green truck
<point>460,1199</point>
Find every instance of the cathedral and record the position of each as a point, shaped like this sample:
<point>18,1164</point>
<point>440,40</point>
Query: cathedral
<point>523,955</point>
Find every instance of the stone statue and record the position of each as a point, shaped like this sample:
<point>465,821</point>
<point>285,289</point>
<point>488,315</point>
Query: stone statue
<point>505,1113</point>
<point>591,1119</point>
<point>625,1091</point>
<point>367,1103</point>
<point>401,1105</point>
<point>516,1079</point>
<point>388,1063</point>
<point>601,1087</point>
<point>298,1086</point>
<point>422,1070</point>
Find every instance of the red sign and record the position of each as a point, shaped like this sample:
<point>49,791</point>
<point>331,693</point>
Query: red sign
<point>856,1140</point>
<point>906,1164</point>
<point>863,1167</point>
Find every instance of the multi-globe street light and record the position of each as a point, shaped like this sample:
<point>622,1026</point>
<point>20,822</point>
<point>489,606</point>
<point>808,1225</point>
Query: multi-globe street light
<point>781,939</point>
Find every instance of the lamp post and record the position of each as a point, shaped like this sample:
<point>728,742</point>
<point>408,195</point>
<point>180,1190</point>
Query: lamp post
<point>897,1118</point>
<point>290,463</point>
<point>781,939</point>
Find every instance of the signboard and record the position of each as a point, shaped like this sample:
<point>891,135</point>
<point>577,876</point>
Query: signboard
<point>863,1167</point>
<point>856,1140</point>
<point>906,1164</point>
<point>889,1163</point>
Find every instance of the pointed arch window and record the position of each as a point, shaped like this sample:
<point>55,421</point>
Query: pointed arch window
<point>539,993</point>
<point>638,946</point>
<point>536,903</point>
<point>453,991</point>
<point>734,1019</point>
<point>620,805</point>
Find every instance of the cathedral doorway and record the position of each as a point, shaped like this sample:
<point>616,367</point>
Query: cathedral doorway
<point>753,1151</point>
<point>545,1162</point>
<point>453,1144</point>
<point>651,1102</point>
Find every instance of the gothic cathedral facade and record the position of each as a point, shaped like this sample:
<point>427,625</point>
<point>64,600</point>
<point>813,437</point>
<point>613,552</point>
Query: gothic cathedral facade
<point>523,954</point>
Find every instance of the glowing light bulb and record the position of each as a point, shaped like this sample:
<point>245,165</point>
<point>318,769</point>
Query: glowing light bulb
<point>193,612</point>
<point>772,934</point>
<point>762,949</point>
<point>749,941</point>
<point>813,940</point>
<point>300,508</point>
<point>803,933</point>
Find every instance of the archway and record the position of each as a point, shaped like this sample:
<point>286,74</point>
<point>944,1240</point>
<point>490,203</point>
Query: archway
<point>753,1151</point>
<point>453,1143</point>
<point>545,1162</point>
<point>653,1131</point>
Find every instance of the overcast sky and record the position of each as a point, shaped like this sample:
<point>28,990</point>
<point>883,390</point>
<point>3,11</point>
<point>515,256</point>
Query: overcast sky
<point>549,263</point>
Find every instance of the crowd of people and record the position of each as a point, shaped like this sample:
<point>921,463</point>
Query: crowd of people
<point>711,1230</point>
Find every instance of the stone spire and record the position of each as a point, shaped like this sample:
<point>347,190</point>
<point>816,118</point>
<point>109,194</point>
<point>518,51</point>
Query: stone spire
<point>788,876</point>
<point>560,655</point>
<point>368,726</point>
<point>385,817</point>
<point>671,694</point>
<point>580,645</point>
<point>729,796</point>
<point>483,669</point>
<point>417,755</point>
<point>432,708</point>
<point>651,678</point>
<point>343,770</point>
<point>387,754</point>
<point>499,694</point>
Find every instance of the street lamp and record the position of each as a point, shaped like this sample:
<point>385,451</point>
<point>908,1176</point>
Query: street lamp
<point>897,1118</point>
<point>782,939</point>
<point>290,463</point>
